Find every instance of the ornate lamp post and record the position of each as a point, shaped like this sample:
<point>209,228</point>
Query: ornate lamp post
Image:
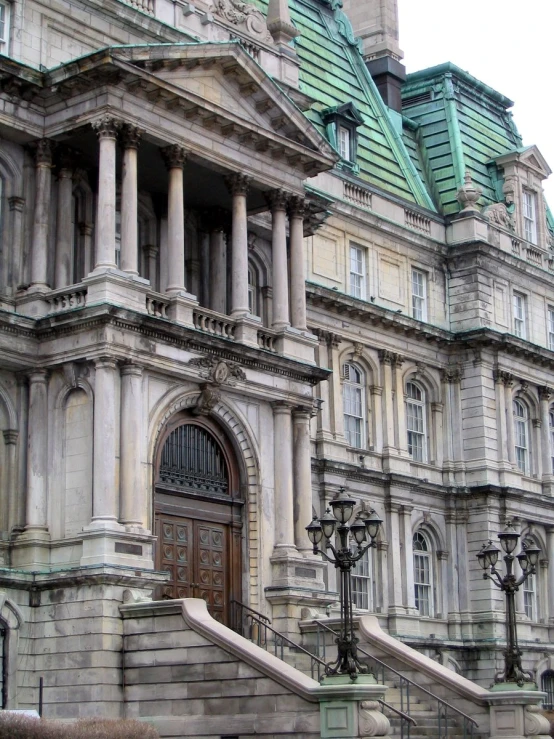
<point>509,584</point>
<point>344,559</point>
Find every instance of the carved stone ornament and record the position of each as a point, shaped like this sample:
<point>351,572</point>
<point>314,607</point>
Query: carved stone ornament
<point>468,195</point>
<point>209,398</point>
<point>106,127</point>
<point>173,156</point>
<point>218,371</point>
<point>244,15</point>
<point>498,214</point>
<point>371,721</point>
<point>536,725</point>
<point>43,152</point>
<point>130,136</point>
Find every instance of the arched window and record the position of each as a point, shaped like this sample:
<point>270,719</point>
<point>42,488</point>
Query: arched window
<point>423,574</point>
<point>363,581</point>
<point>521,436</point>
<point>354,405</point>
<point>547,686</point>
<point>551,424</point>
<point>416,422</point>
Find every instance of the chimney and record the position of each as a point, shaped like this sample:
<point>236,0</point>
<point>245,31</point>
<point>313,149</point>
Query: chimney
<point>376,23</point>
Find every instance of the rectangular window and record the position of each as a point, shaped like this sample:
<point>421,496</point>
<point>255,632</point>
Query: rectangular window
<point>422,584</point>
<point>530,598</point>
<point>357,272</point>
<point>345,149</point>
<point>353,415</point>
<point>419,295</point>
<point>3,23</point>
<point>361,581</point>
<point>530,216</point>
<point>416,431</point>
<point>551,329</point>
<point>520,327</point>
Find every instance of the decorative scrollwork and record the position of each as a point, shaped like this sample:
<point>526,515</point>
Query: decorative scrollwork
<point>245,15</point>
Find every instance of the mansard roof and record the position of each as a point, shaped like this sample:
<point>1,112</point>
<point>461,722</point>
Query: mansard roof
<point>456,123</point>
<point>333,72</point>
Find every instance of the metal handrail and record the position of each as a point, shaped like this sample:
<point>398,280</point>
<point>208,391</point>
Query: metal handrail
<point>252,610</point>
<point>441,702</point>
<point>403,715</point>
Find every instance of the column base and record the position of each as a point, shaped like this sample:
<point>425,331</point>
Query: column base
<point>350,708</point>
<point>246,330</point>
<point>32,304</point>
<point>181,308</point>
<point>296,344</point>
<point>114,545</point>
<point>31,549</point>
<point>111,285</point>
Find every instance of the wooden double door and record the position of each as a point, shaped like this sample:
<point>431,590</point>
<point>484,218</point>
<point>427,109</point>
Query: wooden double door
<point>195,554</point>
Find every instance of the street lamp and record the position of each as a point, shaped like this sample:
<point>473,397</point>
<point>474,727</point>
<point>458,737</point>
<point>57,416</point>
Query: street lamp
<point>509,584</point>
<point>364,525</point>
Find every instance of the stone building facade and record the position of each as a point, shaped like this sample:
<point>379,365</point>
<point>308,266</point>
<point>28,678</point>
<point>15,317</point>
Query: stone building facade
<point>231,284</point>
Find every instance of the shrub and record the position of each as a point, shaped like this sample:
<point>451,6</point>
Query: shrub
<point>13,726</point>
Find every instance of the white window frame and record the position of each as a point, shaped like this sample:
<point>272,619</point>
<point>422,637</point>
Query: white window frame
<point>362,581</point>
<point>252,291</point>
<point>357,279</point>
<point>354,405</point>
<point>416,422</point>
<point>530,221</point>
<point>521,436</point>
<point>519,305</point>
<point>551,432</point>
<point>550,327</point>
<point>530,597</point>
<point>419,294</point>
<point>423,574</point>
<point>344,142</point>
<point>5,26</point>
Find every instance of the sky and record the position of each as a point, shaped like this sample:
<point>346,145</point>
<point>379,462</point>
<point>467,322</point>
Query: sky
<point>507,44</point>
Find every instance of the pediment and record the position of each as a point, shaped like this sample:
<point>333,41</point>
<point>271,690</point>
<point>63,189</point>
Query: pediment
<point>529,156</point>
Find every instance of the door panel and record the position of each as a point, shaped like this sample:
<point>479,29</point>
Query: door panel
<point>175,542</point>
<point>212,567</point>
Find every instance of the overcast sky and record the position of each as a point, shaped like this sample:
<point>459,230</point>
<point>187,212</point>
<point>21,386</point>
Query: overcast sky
<point>508,44</point>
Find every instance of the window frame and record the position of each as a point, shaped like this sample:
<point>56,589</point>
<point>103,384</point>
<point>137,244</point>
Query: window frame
<point>366,578</point>
<point>530,604</point>
<point>345,151</point>
<point>519,319</point>
<point>419,302</point>
<point>529,206</point>
<point>425,556</point>
<point>361,275</point>
<point>521,424</point>
<point>550,327</point>
<point>551,436</point>
<point>415,403</point>
<point>5,39</point>
<point>358,387</point>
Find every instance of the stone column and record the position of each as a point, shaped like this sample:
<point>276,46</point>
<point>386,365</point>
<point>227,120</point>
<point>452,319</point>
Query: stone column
<point>376,393</point>
<point>106,129</point>
<point>550,556</point>
<point>284,506</point>
<point>396,601</point>
<point>502,432</point>
<point>238,186</point>
<point>386,359</point>
<point>41,220</point>
<point>151,258</point>
<point>218,270</point>
<point>336,383</point>
<point>11,437</point>
<point>436,410</point>
<point>16,209</point>
<point>297,211</point>
<point>86,230</point>
<point>63,272</point>
<point>545,396</point>
<point>278,202</point>
<point>129,200</point>
<point>302,477</point>
<point>175,157</point>
<point>37,452</point>
<point>448,426</point>
<point>536,457</point>
<point>408,556</point>
<point>323,389</point>
<point>400,431</point>
<point>105,498</point>
<point>451,584</point>
<point>133,504</point>
<point>508,380</point>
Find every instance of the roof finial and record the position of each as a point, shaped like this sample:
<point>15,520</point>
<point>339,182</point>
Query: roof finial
<point>279,23</point>
<point>468,195</point>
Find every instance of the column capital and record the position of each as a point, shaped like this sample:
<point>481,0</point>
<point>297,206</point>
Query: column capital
<point>38,375</point>
<point>85,229</point>
<point>106,127</point>
<point>150,250</point>
<point>105,363</point>
<point>277,200</point>
<point>281,407</point>
<point>16,203</point>
<point>503,377</point>
<point>174,156</point>
<point>385,356</point>
<point>375,390</point>
<point>451,375</point>
<point>298,207</point>
<point>44,149</point>
<point>303,412</point>
<point>437,407</point>
<point>130,368</point>
<point>545,393</point>
<point>130,136</point>
<point>238,183</point>
<point>66,159</point>
<point>10,436</point>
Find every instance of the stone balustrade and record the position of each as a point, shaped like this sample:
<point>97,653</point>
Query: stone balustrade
<point>267,339</point>
<point>67,298</point>
<point>157,305</point>
<point>214,323</point>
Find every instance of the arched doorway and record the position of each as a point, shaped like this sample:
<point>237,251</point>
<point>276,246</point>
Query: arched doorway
<point>198,513</point>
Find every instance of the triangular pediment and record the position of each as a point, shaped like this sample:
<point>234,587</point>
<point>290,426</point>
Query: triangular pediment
<point>529,156</point>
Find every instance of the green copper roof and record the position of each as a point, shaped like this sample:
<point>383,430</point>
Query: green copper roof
<point>333,72</point>
<point>460,124</point>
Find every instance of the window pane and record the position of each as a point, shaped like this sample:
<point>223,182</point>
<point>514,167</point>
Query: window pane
<point>361,581</point>
<point>530,216</point>
<point>357,272</point>
<point>344,143</point>
<point>519,315</point>
<point>419,296</point>
<point>353,405</point>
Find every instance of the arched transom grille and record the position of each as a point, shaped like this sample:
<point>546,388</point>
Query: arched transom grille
<point>192,459</point>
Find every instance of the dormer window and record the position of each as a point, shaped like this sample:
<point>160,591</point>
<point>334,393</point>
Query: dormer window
<point>342,122</point>
<point>530,216</point>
